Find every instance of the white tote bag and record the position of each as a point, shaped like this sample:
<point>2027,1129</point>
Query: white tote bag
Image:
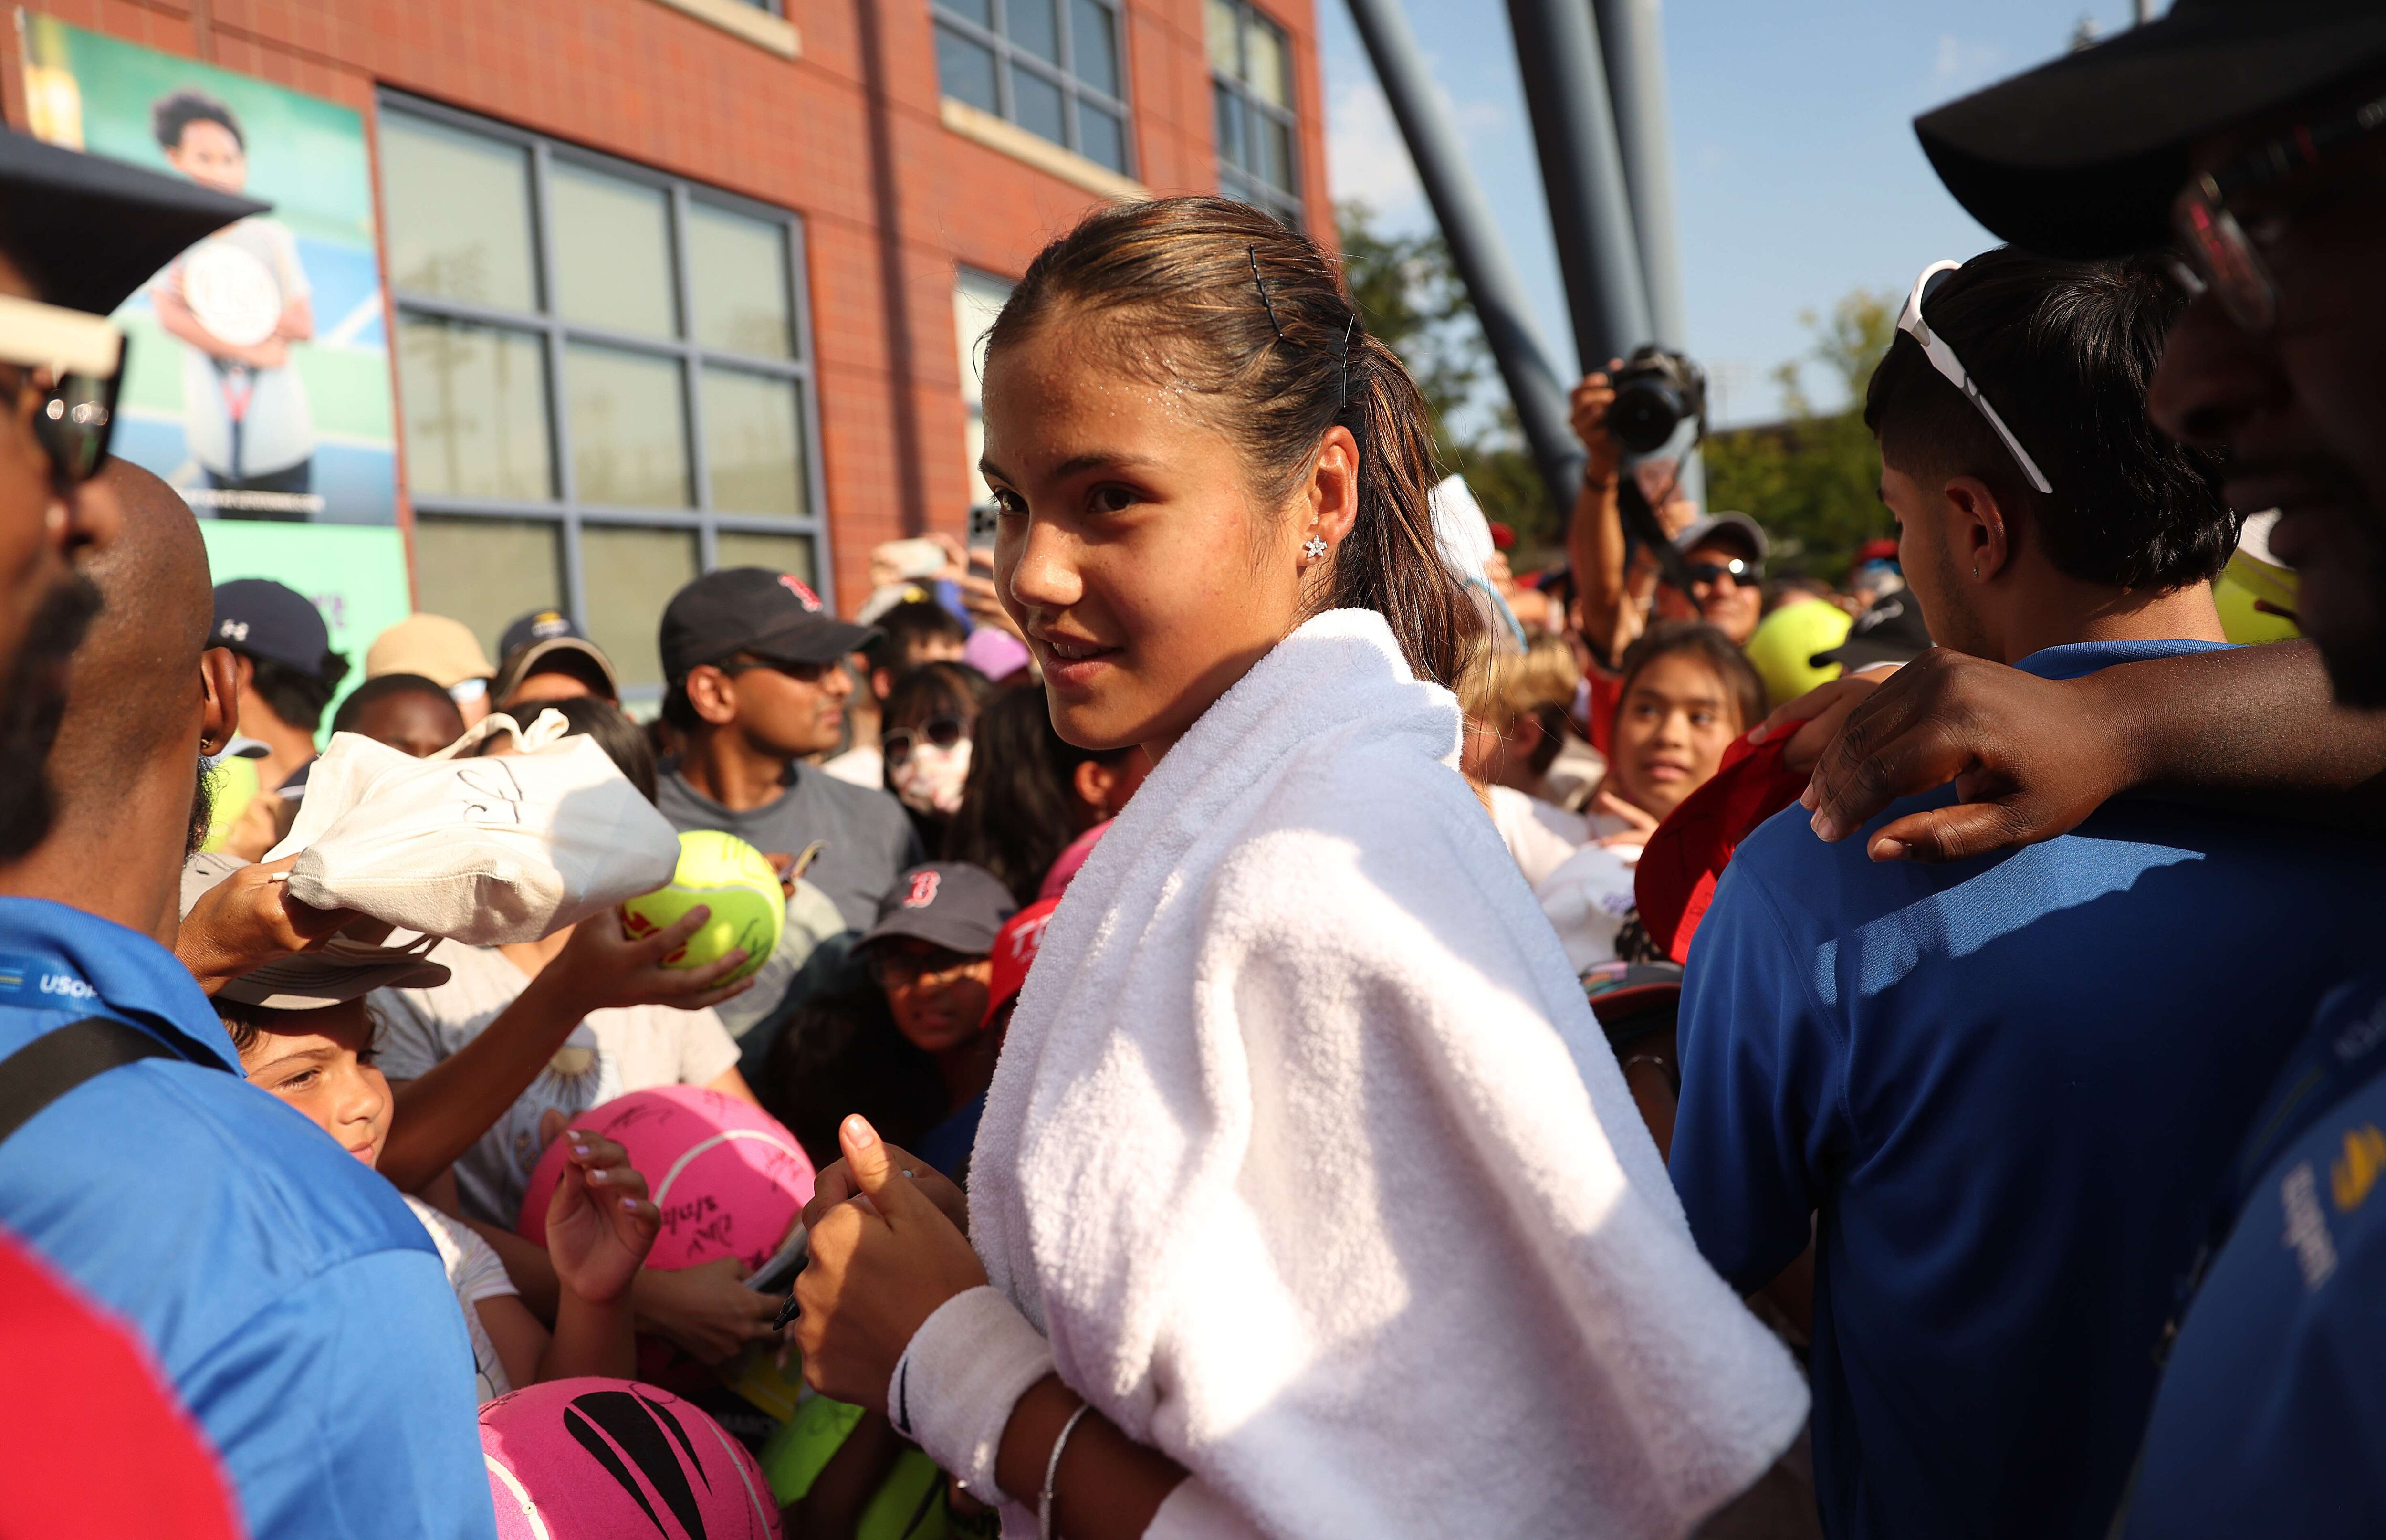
<point>485,851</point>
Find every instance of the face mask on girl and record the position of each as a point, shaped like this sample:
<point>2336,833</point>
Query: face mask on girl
<point>929,778</point>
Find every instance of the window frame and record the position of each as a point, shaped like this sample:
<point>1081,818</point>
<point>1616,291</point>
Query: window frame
<point>555,335</point>
<point>1008,56</point>
<point>1289,205</point>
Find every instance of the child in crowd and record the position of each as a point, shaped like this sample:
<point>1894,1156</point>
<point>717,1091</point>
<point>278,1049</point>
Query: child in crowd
<point>612,1051</point>
<point>1515,705</point>
<point>408,712</point>
<point>910,1049</point>
<point>304,1032</point>
<point>1687,693</point>
<point>1034,799</point>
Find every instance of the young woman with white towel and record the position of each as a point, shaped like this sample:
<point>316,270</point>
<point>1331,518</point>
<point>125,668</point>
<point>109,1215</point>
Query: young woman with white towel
<point>1308,1201</point>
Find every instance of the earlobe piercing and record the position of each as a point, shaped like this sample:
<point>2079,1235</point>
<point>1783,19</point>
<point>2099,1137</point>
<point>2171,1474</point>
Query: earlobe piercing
<point>1316,548</point>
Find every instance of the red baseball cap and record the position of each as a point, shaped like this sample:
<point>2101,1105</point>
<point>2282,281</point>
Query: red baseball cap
<point>1014,954</point>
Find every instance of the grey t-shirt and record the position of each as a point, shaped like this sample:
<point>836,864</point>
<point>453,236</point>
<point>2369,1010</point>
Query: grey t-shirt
<point>869,838</point>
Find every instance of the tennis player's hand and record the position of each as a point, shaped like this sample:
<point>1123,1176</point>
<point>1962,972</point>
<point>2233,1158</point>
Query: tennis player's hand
<point>882,1263</point>
<point>836,1185</point>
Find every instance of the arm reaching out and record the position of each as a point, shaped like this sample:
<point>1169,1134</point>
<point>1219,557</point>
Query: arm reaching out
<point>2254,728</point>
<point>442,1112</point>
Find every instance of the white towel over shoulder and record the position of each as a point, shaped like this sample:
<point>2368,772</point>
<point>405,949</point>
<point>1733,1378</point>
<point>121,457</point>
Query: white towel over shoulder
<point>1307,1155</point>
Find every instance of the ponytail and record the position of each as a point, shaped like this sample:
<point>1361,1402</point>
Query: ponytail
<point>1252,319</point>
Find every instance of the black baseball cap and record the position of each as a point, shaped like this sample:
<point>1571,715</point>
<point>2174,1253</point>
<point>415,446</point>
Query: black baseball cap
<point>752,609</point>
<point>2082,158</point>
<point>547,642</point>
<point>1891,630</point>
<point>951,904</point>
<point>267,620</point>
<point>88,230</point>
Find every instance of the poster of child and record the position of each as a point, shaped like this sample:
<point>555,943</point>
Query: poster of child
<point>236,301</point>
<point>259,380</point>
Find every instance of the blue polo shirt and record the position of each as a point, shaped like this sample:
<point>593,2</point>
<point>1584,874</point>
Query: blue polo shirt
<point>2007,1087</point>
<point>2272,1411</point>
<point>294,1302</point>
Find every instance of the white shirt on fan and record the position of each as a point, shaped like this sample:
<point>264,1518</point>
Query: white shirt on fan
<point>475,1272</point>
<point>608,1054</point>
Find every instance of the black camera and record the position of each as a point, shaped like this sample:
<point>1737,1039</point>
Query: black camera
<point>1655,391</point>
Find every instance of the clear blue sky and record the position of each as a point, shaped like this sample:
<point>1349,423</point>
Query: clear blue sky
<point>1796,169</point>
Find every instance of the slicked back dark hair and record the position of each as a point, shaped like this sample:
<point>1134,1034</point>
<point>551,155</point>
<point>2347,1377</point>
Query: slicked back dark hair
<point>2064,351</point>
<point>1250,318</point>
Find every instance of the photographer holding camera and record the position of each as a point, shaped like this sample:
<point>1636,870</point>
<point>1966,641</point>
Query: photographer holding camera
<point>1634,408</point>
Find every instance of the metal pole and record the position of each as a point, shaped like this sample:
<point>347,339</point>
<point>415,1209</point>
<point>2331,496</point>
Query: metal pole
<point>1632,35</point>
<point>1475,244</point>
<point>1632,38</point>
<point>2145,11</point>
<point>1582,174</point>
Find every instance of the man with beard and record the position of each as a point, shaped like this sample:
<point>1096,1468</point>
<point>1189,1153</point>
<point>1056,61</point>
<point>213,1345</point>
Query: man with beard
<point>282,1288</point>
<point>2251,138</point>
<point>53,205</point>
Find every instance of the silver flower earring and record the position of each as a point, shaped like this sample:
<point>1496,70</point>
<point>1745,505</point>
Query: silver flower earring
<point>1316,548</point>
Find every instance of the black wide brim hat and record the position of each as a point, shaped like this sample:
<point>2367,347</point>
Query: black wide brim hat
<point>88,230</point>
<point>2082,158</point>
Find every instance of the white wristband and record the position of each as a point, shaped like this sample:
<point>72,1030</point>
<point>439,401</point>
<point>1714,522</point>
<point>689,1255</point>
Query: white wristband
<point>957,1382</point>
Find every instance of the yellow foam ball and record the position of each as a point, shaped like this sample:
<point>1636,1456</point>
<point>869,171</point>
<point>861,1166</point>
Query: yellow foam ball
<point>749,910</point>
<point>1786,638</point>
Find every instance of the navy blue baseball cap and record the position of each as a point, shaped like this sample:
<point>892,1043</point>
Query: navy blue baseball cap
<point>271,620</point>
<point>539,625</point>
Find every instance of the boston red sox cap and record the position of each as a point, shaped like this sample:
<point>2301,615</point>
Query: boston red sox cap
<point>752,609</point>
<point>951,904</point>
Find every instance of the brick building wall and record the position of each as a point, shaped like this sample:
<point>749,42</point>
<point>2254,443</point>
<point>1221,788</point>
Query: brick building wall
<point>850,133</point>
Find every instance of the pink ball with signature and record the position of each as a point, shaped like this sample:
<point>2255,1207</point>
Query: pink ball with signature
<point>598,1459</point>
<point>728,1177</point>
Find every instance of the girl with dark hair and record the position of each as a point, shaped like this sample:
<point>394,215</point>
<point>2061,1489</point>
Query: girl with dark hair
<point>1308,1198</point>
<point>1033,796</point>
<point>925,732</point>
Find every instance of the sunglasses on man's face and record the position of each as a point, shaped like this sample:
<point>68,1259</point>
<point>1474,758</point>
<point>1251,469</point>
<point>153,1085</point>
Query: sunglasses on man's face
<point>1747,574</point>
<point>897,743</point>
<point>2219,254</point>
<point>802,673</point>
<point>74,363</point>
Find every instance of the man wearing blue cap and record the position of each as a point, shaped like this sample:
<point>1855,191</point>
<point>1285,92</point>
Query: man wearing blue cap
<point>288,672</point>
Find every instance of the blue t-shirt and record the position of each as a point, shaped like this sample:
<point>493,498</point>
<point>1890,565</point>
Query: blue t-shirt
<point>295,1304</point>
<point>2272,1413</point>
<point>2007,1087</point>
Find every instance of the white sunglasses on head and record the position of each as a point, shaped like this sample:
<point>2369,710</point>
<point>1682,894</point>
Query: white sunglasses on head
<point>1942,358</point>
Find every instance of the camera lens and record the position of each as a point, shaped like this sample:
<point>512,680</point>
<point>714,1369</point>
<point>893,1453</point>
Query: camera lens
<point>1645,414</point>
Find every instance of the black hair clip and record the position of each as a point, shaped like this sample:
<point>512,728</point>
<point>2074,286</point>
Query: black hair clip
<point>1254,253</point>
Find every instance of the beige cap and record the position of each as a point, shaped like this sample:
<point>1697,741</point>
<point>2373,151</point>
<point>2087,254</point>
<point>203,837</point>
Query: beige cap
<point>444,651</point>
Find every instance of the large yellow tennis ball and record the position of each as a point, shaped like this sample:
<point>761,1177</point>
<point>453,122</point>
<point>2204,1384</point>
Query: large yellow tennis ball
<point>721,871</point>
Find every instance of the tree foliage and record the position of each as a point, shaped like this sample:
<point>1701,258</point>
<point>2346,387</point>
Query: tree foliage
<point>1813,479</point>
<point>1409,294</point>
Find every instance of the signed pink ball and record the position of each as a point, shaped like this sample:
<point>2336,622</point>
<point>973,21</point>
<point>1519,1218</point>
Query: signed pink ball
<point>597,1460</point>
<point>728,1177</point>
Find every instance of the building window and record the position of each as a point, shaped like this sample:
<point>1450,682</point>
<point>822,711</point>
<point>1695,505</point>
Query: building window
<point>603,377</point>
<point>1053,67</point>
<point>977,299</point>
<point>1251,86</point>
